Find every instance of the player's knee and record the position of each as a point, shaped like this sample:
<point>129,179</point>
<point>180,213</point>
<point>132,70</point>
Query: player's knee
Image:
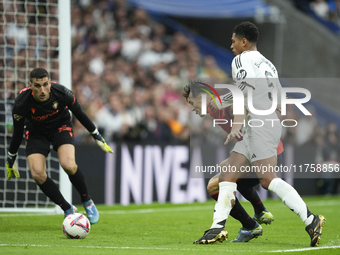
<point>39,174</point>
<point>265,183</point>
<point>212,186</point>
<point>69,166</point>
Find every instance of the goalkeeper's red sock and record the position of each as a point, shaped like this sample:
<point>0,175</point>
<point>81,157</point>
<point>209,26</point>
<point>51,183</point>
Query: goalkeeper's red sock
<point>51,190</point>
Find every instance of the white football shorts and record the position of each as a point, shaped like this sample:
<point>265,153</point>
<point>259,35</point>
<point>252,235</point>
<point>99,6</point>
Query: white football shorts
<point>259,143</point>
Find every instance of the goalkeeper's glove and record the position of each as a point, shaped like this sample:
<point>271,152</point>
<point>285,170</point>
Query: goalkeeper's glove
<point>101,142</point>
<point>12,167</point>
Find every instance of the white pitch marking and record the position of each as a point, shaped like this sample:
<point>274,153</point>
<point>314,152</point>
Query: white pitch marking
<point>137,211</point>
<point>309,249</point>
<point>122,248</point>
<point>324,203</point>
<point>157,210</point>
<point>165,248</point>
<point>169,209</point>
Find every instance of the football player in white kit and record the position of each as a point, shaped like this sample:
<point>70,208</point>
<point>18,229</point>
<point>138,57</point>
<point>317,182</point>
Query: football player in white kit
<point>257,78</point>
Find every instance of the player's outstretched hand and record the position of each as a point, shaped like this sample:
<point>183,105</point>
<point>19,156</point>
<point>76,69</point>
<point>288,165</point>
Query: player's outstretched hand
<point>101,142</point>
<point>12,166</point>
<point>234,134</point>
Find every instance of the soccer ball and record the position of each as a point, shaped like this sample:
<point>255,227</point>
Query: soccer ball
<point>76,226</point>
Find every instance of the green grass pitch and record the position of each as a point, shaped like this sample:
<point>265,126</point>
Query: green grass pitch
<point>168,229</point>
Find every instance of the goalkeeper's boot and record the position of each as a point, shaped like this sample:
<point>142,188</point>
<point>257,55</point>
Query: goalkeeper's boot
<point>315,228</point>
<point>213,235</point>
<point>264,217</point>
<point>91,211</point>
<point>72,210</point>
<point>245,235</point>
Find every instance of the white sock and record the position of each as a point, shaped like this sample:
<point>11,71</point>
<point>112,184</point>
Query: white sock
<point>225,202</point>
<point>291,199</point>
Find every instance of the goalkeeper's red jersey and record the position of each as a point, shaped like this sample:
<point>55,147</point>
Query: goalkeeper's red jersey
<point>224,114</point>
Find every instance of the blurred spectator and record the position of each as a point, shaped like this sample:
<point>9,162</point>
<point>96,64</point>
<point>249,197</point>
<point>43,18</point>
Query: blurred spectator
<point>320,152</point>
<point>211,70</point>
<point>103,18</point>
<point>149,123</point>
<point>321,8</point>
<point>7,97</point>
<point>332,142</point>
<point>326,11</point>
<point>97,64</point>
<point>131,45</point>
<point>289,131</point>
<point>337,12</point>
<point>17,30</point>
<point>109,118</point>
<point>173,77</point>
<point>163,131</point>
<point>305,130</point>
<point>155,55</point>
<point>327,153</point>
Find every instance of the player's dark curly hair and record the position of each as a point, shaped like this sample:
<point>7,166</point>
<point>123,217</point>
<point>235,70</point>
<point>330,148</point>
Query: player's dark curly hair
<point>194,86</point>
<point>247,30</point>
<point>38,73</point>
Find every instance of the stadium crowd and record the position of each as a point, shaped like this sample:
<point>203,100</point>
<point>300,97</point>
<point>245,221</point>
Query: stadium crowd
<point>127,70</point>
<point>127,73</point>
<point>328,10</point>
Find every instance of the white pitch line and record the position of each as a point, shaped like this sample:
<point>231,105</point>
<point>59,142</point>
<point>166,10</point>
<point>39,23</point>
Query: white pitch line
<point>169,209</point>
<point>121,248</point>
<point>198,208</point>
<point>157,210</point>
<point>166,248</point>
<point>309,249</point>
<point>25,214</point>
<point>324,203</point>
<point>133,211</point>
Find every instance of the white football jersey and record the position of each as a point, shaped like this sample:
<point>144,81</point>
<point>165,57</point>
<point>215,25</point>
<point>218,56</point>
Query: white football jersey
<point>257,77</point>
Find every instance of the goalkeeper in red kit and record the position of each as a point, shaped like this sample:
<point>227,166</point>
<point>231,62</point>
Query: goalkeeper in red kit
<point>42,110</point>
